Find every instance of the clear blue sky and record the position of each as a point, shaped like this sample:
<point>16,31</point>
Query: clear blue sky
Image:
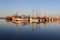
<point>49,7</point>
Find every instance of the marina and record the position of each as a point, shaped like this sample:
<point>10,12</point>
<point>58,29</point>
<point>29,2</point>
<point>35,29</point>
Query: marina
<point>30,19</point>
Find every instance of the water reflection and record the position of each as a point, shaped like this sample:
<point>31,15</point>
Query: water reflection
<point>27,30</point>
<point>35,25</point>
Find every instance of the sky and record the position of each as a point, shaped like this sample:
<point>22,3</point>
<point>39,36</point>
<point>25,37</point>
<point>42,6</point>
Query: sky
<point>45,7</point>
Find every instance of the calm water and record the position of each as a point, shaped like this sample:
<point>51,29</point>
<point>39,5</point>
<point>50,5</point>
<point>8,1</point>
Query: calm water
<point>12,31</point>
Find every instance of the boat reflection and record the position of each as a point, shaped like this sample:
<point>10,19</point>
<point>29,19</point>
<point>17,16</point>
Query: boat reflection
<point>34,25</point>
